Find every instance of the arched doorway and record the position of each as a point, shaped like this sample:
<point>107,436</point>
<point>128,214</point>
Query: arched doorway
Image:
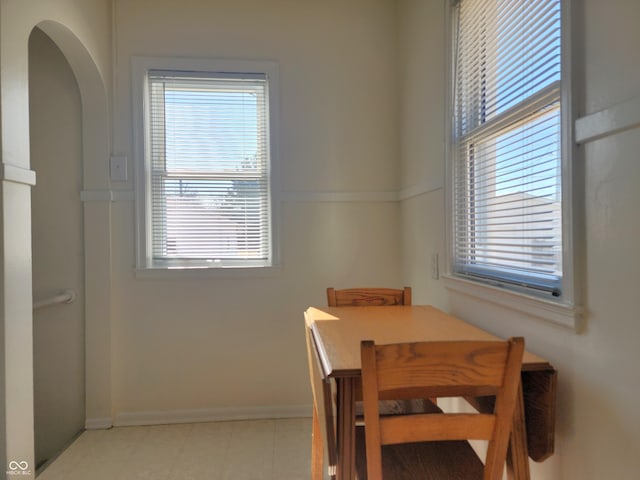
<point>55,134</point>
<point>84,175</point>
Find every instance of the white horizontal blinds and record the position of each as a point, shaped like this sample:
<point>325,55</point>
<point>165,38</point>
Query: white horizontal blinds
<point>507,178</point>
<point>506,51</point>
<point>210,198</point>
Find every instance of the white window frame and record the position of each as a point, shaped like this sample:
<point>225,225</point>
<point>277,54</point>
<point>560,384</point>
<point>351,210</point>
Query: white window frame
<point>145,266</point>
<point>566,310</point>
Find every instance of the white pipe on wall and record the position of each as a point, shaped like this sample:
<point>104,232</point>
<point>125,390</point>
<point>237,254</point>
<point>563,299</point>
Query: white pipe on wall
<point>65,296</point>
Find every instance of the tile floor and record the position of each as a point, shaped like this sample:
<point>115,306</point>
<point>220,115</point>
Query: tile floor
<point>243,450</point>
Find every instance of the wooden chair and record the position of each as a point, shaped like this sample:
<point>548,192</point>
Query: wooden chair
<point>434,446</point>
<point>379,297</point>
<point>359,297</point>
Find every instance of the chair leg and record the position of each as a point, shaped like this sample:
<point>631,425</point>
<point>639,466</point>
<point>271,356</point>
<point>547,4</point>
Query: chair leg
<point>517,456</point>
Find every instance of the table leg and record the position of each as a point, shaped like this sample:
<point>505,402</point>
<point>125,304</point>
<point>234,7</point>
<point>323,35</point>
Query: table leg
<point>517,456</point>
<point>317,452</point>
<point>346,426</point>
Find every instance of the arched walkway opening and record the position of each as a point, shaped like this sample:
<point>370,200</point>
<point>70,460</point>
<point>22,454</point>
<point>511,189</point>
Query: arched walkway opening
<point>70,146</point>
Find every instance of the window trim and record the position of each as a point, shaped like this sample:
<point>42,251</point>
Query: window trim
<point>565,311</point>
<point>145,268</point>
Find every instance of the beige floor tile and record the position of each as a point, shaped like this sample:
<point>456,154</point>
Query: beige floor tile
<point>292,448</point>
<point>243,450</point>
<point>250,454</point>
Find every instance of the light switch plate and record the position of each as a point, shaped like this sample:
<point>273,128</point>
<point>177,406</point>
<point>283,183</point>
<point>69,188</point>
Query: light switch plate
<point>118,168</point>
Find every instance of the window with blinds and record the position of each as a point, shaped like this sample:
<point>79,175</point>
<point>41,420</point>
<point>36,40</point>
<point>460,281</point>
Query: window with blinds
<point>507,184</point>
<point>208,189</point>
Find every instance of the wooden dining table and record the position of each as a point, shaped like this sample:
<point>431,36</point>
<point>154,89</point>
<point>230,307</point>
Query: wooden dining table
<point>334,340</point>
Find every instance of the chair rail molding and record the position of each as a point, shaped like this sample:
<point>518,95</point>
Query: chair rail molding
<point>107,196</point>
<point>15,174</point>
<point>617,118</point>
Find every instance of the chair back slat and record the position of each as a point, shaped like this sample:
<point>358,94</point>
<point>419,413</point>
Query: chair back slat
<point>436,427</point>
<point>443,364</point>
<point>368,297</point>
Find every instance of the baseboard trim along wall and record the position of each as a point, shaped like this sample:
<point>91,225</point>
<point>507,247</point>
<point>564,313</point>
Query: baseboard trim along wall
<point>209,415</point>
<point>98,423</point>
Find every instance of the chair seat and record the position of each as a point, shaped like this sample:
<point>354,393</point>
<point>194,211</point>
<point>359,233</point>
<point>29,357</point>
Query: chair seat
<point>446,460</point>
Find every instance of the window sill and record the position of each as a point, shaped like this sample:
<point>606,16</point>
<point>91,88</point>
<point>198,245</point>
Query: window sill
<point>160,273</point>
<point>569,316</point>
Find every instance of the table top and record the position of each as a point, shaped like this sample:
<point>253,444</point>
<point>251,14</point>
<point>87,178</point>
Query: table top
<point>338,332</point>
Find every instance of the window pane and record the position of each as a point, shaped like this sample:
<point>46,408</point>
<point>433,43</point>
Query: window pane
<point>507,175</point>
<point>210,197</point>
<point>528,51</point>
<point>506,52</point>
<point>210,130</point>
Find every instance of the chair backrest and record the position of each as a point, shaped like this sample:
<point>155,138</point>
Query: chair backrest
<point>441,369</point>
<point>360,297</point>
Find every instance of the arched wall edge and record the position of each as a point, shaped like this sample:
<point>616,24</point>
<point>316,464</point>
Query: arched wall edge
<point>96,140</point>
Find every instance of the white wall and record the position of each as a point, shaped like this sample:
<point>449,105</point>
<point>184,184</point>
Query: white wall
<point>422,122</point>
<point>598,423</point>
<point>208,347</point>
<point>72,20</point>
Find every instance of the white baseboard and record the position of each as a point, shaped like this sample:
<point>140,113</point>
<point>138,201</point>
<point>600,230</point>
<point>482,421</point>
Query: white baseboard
<point>98,423</point>
<point>210,415</point>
